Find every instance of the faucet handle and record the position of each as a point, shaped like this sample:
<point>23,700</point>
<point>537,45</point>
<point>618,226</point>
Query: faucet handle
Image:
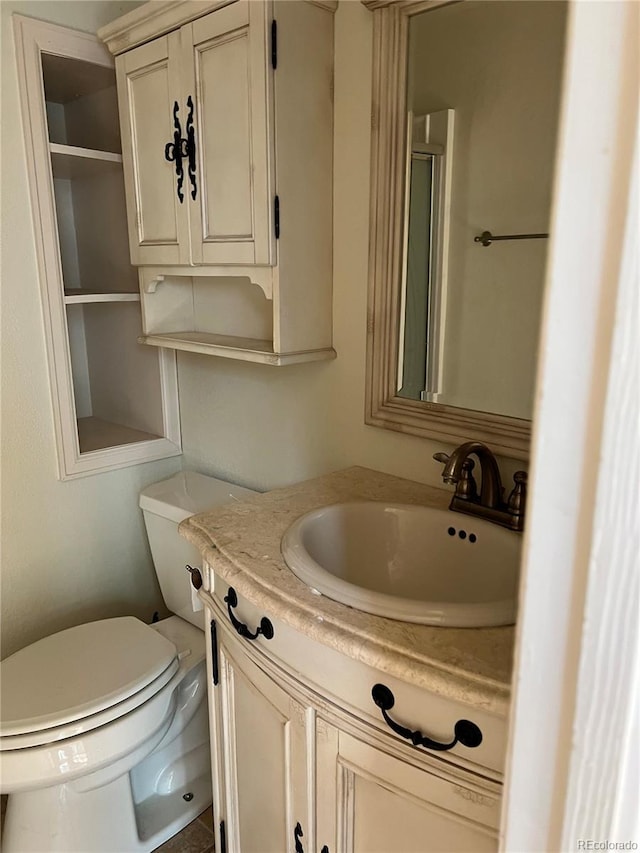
<point>466,488</point>
<point>467,465</point>
<point>518,497</point>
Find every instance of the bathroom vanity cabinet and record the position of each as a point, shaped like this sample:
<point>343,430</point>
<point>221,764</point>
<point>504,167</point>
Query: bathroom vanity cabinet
<point>115,403</point>
<point>303,759</point>
<point>226,111</point>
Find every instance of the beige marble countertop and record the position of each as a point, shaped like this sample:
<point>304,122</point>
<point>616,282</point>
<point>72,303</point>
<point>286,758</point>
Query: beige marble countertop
<point>241,542</point>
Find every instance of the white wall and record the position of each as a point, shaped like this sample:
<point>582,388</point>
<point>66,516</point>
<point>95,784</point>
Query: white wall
<point>499,65</point>
<point>76,550</point>
<point>264,426</point>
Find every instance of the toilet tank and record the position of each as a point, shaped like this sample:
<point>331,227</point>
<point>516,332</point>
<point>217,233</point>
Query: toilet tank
<point>164,505</point>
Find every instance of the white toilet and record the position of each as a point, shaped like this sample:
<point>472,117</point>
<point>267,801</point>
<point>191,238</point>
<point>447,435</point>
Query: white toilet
<point>104,740</point>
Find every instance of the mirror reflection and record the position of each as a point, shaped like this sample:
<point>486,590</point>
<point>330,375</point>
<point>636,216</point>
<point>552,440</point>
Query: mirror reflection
<point>483,96</point>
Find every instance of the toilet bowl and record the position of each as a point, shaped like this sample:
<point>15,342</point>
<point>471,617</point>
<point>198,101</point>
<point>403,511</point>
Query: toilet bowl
<point>104,741</point>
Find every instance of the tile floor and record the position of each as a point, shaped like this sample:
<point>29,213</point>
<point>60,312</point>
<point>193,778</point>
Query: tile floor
<point>197,837</point>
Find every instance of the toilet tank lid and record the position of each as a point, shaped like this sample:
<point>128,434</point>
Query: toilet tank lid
<point>188,493</point>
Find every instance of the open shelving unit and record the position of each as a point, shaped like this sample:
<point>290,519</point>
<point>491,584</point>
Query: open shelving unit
<point>115,402</point>
<point>225,315</point>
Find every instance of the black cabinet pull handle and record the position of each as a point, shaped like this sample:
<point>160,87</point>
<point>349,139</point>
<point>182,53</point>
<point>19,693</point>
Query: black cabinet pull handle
<point>265,628</point>
<point>191,149</point>
<point>176,150</point>
<point>465,732</point>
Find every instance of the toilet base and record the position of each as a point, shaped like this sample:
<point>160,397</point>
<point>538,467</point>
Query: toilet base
<point>103,820</point>
<point>147,802</point>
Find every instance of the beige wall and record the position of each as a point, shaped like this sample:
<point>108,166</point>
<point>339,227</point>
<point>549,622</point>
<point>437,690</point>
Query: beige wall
<point>499,65</point>
<point>76,550</point>
<point>266,426</point>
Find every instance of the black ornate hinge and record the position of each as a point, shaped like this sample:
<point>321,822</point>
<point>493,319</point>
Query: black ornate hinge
<point>223,837</point>
<point>176,151</point>
<point>276,216</point>
<point>183,149</point>
<point>191,149</point>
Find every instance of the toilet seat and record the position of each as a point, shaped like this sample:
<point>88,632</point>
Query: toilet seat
<point>80,679</point>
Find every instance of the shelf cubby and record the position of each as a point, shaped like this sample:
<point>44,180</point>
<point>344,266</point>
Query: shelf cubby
<point>229,316</point>
<point>115,402</point>
<point>115,380</point>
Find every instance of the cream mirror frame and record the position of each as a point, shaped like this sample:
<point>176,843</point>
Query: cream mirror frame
<point>508,436</point>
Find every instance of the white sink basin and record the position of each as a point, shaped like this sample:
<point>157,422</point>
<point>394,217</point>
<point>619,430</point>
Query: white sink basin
<point>410,563</point>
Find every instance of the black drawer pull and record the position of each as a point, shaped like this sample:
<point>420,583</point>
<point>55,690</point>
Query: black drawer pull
<point>465,732</point>
<point>265,628</point>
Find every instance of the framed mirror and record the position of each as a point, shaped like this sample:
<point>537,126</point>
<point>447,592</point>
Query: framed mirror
<point>464,125</point>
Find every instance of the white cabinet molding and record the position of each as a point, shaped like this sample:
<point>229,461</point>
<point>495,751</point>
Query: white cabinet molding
<point>161,16</point>
<point>86,441</point>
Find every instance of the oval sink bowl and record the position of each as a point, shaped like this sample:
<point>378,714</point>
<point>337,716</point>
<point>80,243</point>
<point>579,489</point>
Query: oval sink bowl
<point>410,563</point>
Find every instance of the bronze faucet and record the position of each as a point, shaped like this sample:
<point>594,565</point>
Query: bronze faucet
<point>490,505</point>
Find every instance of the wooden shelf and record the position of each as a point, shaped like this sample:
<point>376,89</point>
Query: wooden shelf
<point>98,434</point>
<point>69,161</point>
<point>227,346</point>
<point>81,297</point>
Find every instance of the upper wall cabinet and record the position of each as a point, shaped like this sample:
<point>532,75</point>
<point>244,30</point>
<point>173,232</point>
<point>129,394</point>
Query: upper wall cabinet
<point>115,403</point>
<point>194,108</point>
<point>226,110</point>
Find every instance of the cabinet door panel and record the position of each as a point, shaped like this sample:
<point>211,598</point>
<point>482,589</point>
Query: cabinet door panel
<point>382,803</point>
<point>225,61</point>
<point>148,86</point>
<point>264,738</point>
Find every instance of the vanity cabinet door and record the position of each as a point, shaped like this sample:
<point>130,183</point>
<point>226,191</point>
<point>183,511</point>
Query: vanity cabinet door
<point>370,801</point>
<point>227,76</point>
<point>259,749</point>
<point>151,109</point>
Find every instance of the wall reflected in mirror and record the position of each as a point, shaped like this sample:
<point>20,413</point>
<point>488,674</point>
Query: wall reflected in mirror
<point>484,81</point>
